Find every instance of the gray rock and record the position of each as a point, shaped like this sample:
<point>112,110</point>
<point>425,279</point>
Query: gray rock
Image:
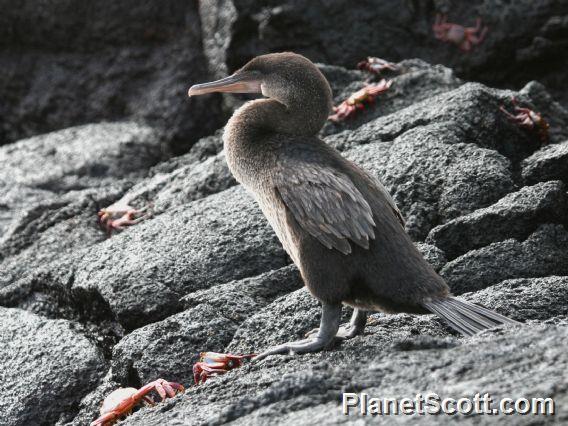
<point>433,177</point>
<point>526,298</point>
<point>89,406</point>
<point>216,25</point>
<point>520,37</point>
<point>203,149</point>
<point>548,163</point>
<point>188,182</point>
<point>516,215</point>
<point>67,62</point>
<point>51,232</point>
<point>205,272</point>
<point>74,159</point>
<point>47,367</point>
<point>434,256</point>
<point>53,185</point>
<point>73,26</point>
<point>260,290</point>
<point>210,241</point>
<point>391,374</point>
<point>416,81</point>
<point>471,113</point>
<point>288,318</point>
<point>543,253</point>
<point>169,348</point>
<point>201,172</point>
<point>307,389</point>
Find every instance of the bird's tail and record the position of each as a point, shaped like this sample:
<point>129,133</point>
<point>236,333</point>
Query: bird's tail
<point>465,317</point>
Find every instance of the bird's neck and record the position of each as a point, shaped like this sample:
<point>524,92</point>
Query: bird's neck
<point>263,116</point>
<point>246,134</point>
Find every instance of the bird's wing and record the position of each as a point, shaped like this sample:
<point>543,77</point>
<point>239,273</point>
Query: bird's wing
<point>386,195</point>
<point>324,201</point>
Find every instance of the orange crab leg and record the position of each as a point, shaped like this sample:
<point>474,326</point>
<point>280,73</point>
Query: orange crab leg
<point>213,363</point>
<point>507,113</point>
<point>161,386</point>
<point>206,371</point>
<point>123,408</point>
<point>215,357</point>
<point>101,421</point>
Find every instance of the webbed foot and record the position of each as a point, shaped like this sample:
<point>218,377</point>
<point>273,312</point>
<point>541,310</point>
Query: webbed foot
<point>297,347</point>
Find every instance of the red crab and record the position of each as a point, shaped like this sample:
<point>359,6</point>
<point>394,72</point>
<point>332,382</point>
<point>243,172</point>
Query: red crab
<point>122,401</point>
<point>118,216</point>
<point>464,37</point>
<point>377,65</point>
<point>213,363</point>
<point>528,119</point>
<point>358,100</point>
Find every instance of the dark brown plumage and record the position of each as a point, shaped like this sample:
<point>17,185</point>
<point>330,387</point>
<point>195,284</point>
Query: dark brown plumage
<point>337,222</point>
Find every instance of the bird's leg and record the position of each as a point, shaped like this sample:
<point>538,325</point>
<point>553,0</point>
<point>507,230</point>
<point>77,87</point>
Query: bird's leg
<point>329,324</point>
<point>355,327</point>
<point>347,331</point>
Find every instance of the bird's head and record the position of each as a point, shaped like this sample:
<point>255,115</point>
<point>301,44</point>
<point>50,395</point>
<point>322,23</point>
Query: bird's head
<point>288,78</point>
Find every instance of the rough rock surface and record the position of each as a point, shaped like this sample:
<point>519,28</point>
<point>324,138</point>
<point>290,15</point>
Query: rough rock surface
<point>69,62</point>
<point>204,271</point>
<point>217,239</point>
<point>543,253</point>
<point>526,298</point>
<point>47,366</point>
<point>548,163</point>
<point>414,81</point>
<point>383,362</point>
<point>434,178</point>
<point>189,181</point>
<point>51,187</point>
<point>521,37</point>
<point>143,273</point>
<point>514,216</point>
<point>44,167</point>
<point>434,256</point>
<point>473,110</point>
<point>169,348</point>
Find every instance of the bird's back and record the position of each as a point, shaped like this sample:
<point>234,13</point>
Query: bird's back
<point>393,266</point>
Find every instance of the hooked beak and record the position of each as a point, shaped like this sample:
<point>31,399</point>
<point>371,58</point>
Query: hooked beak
<point>243,82</point>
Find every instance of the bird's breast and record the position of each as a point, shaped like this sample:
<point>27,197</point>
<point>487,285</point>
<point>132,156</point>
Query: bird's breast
<point>242,168</point>
<point>276,213</point>
<point>249,158</point>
